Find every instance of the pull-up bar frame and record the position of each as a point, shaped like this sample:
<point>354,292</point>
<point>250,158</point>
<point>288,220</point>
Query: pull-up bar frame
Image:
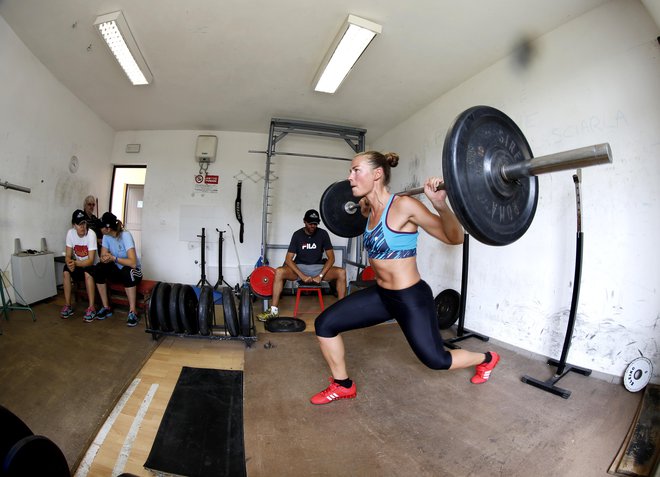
<point>281,128</point>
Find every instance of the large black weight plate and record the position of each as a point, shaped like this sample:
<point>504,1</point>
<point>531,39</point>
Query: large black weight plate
<point>35,455</point>
<point>188,303</point>
<point>162,298</point>
<point>152,316</point>
<point>173,312</point>
<point>245,311</point>
<point>478,143</point>
<point>205,310</point>
<point>334,215</point>
<point>447,305</point>
<point>284,324</point>
<point>229,307</point>
<point>12,430</point>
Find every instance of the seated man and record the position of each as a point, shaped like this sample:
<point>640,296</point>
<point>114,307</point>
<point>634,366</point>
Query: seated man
<point>304,262</point>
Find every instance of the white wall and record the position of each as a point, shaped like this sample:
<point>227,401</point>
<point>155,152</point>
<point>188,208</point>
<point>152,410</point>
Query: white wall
<point>593,80</point>
<point>175,212</point>
<point>41,126</point>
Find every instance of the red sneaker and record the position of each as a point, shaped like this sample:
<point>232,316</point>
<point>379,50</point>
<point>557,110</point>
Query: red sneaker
<point>483,370</point>
<point>333,392</point>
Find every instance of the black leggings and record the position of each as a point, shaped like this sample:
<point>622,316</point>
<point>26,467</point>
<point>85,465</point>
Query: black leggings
<point>413,308</point>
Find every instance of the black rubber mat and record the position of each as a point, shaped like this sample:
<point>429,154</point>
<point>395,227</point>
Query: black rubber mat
<point>201,433</point>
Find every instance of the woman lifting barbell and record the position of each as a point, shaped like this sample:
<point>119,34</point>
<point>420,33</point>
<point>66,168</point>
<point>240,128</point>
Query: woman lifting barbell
<point>390,239</point>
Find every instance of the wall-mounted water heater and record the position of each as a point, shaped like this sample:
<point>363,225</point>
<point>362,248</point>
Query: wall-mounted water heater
<point>206,148</point>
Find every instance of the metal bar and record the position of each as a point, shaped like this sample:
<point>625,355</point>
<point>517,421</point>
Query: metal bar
<point>265,205</point>
<point>8,185</point>
<point>303,155</point>
<point>561,161</point>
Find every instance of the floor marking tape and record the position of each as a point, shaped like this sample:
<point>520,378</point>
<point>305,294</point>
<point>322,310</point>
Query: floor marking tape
<point>86,462</point>
<point>133,431</point>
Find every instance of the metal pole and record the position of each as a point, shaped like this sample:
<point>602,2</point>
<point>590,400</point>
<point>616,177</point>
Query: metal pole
<point>8,185</point>
<point>296,154</point>
<point>264,213</point>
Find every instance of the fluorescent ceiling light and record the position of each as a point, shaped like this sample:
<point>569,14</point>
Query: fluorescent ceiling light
<point>352,40</point>
<point>114,30</point>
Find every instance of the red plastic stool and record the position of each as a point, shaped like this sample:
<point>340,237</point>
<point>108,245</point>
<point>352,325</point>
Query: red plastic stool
<point>308,288</point>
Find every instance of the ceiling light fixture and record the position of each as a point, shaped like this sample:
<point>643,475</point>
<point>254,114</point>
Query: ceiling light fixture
<point>353,38</point>
<point>114,29</point>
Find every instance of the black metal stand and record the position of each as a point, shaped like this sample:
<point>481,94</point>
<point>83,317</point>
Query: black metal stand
<point>203,281</point>
<point>221,280</point>
<point>562,367</point>
<point>461,332</point>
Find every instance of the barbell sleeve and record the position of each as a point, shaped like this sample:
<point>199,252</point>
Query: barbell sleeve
<point>560,161</point>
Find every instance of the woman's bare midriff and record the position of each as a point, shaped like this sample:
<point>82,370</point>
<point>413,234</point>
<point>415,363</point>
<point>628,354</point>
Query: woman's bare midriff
<point>396,274</point>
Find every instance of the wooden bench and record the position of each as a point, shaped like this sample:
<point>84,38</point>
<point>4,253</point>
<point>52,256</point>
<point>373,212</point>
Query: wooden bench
<point>117,294</point>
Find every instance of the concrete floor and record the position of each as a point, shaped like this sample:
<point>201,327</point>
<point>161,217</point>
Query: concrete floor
<point>408,420</point>
<point>64,376</point>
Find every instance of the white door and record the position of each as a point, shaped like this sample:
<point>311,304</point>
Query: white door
<point>133,203</point>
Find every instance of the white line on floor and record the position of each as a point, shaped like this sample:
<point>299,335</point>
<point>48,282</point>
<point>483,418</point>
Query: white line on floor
<point>86,463</point>
<point>133,431</point>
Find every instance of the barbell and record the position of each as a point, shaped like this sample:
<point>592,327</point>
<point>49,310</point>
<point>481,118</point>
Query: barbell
<point>489,174</point>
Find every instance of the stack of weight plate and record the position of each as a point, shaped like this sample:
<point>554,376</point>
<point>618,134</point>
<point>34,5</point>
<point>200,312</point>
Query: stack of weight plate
<point>175,308</point>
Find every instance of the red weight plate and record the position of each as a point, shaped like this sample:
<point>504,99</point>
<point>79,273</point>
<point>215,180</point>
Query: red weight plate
<point>261,281</point>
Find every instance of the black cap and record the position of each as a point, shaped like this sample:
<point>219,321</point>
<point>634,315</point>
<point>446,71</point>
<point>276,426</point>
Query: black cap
<point>109,220</point>
<point>312,217</point>
<point>78,217</point>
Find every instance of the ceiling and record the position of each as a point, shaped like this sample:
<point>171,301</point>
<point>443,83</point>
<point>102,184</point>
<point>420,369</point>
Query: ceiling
<point>232,65</point>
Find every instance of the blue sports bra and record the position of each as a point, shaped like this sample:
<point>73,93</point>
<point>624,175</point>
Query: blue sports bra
<point>381,242</point>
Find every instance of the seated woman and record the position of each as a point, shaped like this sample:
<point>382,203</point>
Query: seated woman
<point>79,264</point>
<point>119,262</point>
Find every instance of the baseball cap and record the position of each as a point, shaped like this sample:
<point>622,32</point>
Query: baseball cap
<point>78,217</point>
<point>109,220</point>
<point>312,217</point>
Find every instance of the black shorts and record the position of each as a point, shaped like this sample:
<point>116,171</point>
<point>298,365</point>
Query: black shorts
<point>413,308</point>
<point>127,276</point>
<point>78,274</point>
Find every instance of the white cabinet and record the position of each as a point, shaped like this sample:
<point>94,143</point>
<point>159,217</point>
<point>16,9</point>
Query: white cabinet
<point>33,275</point>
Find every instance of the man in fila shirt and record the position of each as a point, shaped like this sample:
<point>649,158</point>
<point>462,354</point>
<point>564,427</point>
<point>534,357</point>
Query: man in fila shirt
<point>304,262</point>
